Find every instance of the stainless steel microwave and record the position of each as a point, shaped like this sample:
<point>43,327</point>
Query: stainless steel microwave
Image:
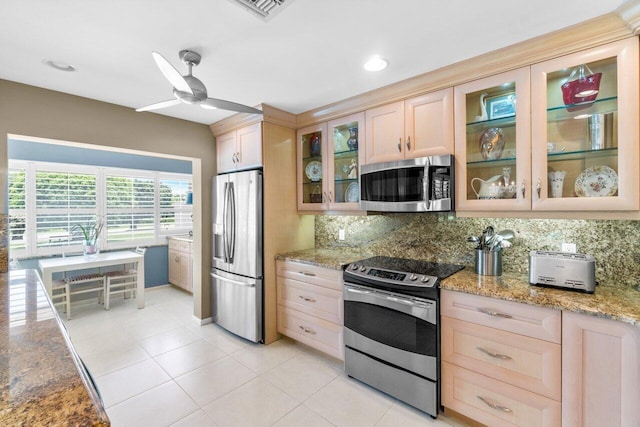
<point>424,184</point>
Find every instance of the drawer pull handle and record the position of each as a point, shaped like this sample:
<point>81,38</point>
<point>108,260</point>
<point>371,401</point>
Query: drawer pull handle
<point>302,297</point>
<point>494,313</point>
<point>494,405</point>
<point>494,355</point>
<point>304,273</point>
<point>307,330</point>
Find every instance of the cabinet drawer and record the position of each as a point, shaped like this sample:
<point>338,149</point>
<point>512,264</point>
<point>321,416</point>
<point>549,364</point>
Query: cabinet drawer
<point>317,333</point>
<point>495,403</point>
<point>525,362</point>
<point>532,321</point>
<point>179,245</point>
<point>320,276</point>
<point>315,300</point>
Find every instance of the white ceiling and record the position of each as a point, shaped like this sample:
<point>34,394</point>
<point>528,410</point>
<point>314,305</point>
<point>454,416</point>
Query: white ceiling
<point>308,55</point>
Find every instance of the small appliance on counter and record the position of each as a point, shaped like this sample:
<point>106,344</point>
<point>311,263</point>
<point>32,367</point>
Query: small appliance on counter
<point>564,270</point>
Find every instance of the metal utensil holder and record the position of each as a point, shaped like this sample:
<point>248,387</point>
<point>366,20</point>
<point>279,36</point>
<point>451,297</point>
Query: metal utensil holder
<point>488,263</point>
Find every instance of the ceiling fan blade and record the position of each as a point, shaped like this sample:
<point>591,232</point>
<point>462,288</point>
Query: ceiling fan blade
<point>211,103</point>
<point>159,105</point>
<point>171,74</point>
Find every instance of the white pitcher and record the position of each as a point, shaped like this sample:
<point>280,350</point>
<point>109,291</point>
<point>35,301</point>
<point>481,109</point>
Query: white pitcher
<point>489,189</point>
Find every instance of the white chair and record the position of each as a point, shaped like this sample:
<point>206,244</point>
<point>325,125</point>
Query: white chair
<point>62,290</point>
<point>122,281</point>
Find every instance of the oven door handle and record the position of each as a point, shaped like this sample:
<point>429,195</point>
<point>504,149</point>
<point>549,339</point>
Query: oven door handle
<point>417,309</point>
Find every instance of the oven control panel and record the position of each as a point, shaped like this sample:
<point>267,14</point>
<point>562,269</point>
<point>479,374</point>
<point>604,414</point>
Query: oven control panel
<point>390,276</point>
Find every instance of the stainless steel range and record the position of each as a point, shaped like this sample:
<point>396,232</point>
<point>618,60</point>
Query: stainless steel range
<point>391,327</point>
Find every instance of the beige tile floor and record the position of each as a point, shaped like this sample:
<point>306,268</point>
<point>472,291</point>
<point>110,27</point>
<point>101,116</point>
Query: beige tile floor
<point>158,367</point>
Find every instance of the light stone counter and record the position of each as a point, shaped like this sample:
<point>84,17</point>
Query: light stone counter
<point>609,301</point>
<point>42,380</point>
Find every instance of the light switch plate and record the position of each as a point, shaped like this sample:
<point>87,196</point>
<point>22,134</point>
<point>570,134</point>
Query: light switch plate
<point>569,247</point>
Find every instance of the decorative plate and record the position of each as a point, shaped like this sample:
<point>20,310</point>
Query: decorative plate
<point>491,144</point>
<point>352,194</point>
<point>314,170</point>
<point>597,181</point>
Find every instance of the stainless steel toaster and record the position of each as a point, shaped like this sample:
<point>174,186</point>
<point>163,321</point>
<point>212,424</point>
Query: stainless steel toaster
<point>563,270</point>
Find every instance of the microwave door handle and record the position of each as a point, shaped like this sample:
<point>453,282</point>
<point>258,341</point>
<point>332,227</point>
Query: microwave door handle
<point>425,184</point>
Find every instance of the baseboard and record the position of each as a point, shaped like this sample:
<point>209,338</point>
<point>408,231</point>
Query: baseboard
<point>202,321</point>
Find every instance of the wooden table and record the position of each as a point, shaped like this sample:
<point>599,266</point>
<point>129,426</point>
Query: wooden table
<point>105,259</point>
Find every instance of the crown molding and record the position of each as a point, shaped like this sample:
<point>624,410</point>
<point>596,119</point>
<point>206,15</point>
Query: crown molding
<point>595,32</point>
<point>629,12</point>
<point>269,114</point>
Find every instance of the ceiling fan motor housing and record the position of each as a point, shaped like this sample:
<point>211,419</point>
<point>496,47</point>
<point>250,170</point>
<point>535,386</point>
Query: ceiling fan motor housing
<point>198,88</point>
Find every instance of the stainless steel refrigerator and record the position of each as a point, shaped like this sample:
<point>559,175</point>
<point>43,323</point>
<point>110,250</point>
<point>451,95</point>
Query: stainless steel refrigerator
<point>237,273</point>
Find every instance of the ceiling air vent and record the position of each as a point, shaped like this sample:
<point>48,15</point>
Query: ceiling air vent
<point>264,9</point>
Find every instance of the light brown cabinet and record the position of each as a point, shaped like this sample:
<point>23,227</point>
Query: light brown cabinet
<point>181,264</point>
<point>240,149</point>
<point>329,159</point>
<point>523,142</point>
<point>501,361</point>
<point>310,306</point>
<point>416,127</point>
<point>600,372</point>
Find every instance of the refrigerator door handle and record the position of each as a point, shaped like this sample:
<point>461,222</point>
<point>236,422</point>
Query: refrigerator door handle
<point>232,204</point>
<point>225,207</point>
<point>235,282</point>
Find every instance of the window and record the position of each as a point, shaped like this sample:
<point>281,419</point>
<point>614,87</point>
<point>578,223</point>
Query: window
<point>47,200</point>
<point>130,209</point>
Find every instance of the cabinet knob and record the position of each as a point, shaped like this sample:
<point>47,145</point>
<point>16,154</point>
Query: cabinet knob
<point>324,197</point>
<point>408,143</point>
<point>539,187</point>
<point>399,144</point>
<point>330,197</point>
<point>523,188</point>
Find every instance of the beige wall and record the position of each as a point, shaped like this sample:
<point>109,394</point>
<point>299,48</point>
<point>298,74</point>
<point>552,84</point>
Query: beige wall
<point>31,111</point>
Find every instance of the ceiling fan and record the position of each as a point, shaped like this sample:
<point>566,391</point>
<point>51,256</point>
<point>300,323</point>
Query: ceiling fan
<point>188,89</point>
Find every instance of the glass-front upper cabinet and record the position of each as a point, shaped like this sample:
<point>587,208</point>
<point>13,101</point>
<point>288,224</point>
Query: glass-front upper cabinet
<point>311,168</point>
<point>345,154</point>
<point>585,130</point>
<point>492,143</point>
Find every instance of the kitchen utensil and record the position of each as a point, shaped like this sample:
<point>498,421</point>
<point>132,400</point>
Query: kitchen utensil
<point>507,234</point>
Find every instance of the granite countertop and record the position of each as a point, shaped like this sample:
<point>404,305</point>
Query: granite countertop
<point>609,301</point>
<point>329,258</point>
<point>43,381</point>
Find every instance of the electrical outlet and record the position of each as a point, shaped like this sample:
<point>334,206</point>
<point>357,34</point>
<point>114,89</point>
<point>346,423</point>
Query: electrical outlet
<point>341,234</point>
<point>569,247</point>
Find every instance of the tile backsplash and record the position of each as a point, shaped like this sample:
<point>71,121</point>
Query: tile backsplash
<point>615,244</point>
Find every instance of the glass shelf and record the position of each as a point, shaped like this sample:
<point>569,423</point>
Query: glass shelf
<point>599,106</point>
<point>474,127</point>
<point>349,180</point>
<point>313,182</point>
<point>318,158</point>
<point>345,154</point>
<point>582,154</point>
<point>503,161</point>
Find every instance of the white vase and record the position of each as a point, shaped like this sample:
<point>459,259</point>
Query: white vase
<point>556,180</point>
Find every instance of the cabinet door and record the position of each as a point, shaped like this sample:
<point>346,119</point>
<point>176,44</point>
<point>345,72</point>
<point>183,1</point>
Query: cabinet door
<point>384,130</point>
<point>174,267</point>
<point>429,124</point>
<point>492,143</point>
<point>225,152</point>
<point>600,372</point>
<point>585,129</point>
<point>249,146</point>
<point>344,155</point>
<point>312,170</point>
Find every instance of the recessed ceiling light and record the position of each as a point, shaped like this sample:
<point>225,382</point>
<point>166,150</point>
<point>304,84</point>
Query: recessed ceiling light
<point>376,63</point>
<point>58,65</point>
